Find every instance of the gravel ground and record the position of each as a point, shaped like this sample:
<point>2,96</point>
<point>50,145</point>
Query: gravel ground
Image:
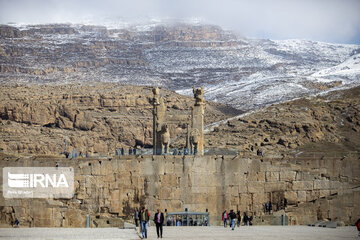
<point>248,233</point>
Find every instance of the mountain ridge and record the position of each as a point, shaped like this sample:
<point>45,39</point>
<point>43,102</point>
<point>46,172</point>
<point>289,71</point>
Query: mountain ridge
<point>245,73</point>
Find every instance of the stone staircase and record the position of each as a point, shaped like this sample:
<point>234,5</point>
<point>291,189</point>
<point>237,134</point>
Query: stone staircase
<point>271,219</point>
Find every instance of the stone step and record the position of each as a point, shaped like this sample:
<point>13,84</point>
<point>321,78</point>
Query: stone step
<point>269,220</point>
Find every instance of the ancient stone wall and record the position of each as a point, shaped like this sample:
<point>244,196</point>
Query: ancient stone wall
<point>109,188</point>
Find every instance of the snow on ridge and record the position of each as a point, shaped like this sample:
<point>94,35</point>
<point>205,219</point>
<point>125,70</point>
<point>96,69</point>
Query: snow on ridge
<point>351,66</point>
<point>246,74</point>
<point>285,82</point>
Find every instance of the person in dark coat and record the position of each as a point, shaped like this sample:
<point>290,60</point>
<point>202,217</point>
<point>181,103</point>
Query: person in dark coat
<point>136,217</point>
<point>245,219</point>
<point>17,223</point>
<point>238,216</point>
<point>159,220</point>
<point>250,220</point>
<point>232,217</point>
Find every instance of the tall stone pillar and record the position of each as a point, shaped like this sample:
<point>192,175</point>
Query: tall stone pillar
<point>197,123</point>
<point>158,121</point>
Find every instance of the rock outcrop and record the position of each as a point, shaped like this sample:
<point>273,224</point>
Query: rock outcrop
<point>97,119</point>
<point>329,123</point>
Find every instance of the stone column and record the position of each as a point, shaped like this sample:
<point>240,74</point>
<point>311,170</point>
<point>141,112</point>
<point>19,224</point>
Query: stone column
<point>158,121</point>
<point>197,123</point>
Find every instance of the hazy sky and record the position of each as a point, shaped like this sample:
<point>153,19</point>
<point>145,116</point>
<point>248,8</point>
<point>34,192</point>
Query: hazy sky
<point>323,20</point>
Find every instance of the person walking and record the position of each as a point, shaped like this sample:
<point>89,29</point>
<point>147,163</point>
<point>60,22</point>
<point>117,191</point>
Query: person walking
<point>245,219</point>
<point>358,226</point>
<point>149,217</point>
<point>238,216</point>
<point>232,217</point>
<point>159,220</point>
<point>225,217</point>
<point>16,223</point>
<point>144,218</point>
<point>136,217</point>
<point>251,220</point>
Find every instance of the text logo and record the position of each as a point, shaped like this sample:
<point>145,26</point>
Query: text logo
<point>38,182</point>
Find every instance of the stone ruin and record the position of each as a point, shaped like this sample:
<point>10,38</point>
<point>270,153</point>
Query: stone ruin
<point>194,122</point>
<point>108,189</point>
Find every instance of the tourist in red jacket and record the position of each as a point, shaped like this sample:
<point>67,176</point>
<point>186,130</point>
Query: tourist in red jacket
<point>225,217</point>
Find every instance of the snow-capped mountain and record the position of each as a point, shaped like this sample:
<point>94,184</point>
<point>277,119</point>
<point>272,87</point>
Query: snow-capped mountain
<point>284,70</point>
<point>245,73</point>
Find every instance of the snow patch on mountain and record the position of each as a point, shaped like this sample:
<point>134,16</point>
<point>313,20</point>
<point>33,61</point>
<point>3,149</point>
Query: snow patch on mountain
<point>348,68</point>
<point>283,70</point>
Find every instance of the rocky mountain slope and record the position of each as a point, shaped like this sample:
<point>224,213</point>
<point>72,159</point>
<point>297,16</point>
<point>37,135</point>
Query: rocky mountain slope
<point>99,118</point>
<point>328,124</point>
<point>93,118</point>
<point>245,73</point>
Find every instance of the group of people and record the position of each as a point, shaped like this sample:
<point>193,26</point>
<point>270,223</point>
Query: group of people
<point>236,218</point>
<point>268,207</point>
<point>143,217</point>
<point>260,152</point>
<point>131,151</point>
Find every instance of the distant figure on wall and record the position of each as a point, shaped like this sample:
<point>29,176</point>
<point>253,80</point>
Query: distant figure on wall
<point>268,207</point>
<point>225,217</point>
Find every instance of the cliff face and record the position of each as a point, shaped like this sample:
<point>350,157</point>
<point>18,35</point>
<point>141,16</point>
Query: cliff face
<point>49,50</point>
<point>94,119</point>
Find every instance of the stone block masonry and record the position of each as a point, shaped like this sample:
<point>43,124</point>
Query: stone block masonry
<point>110,188</point>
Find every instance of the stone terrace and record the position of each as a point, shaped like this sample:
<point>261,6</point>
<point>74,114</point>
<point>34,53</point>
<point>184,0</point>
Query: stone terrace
<point>110,188</point>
